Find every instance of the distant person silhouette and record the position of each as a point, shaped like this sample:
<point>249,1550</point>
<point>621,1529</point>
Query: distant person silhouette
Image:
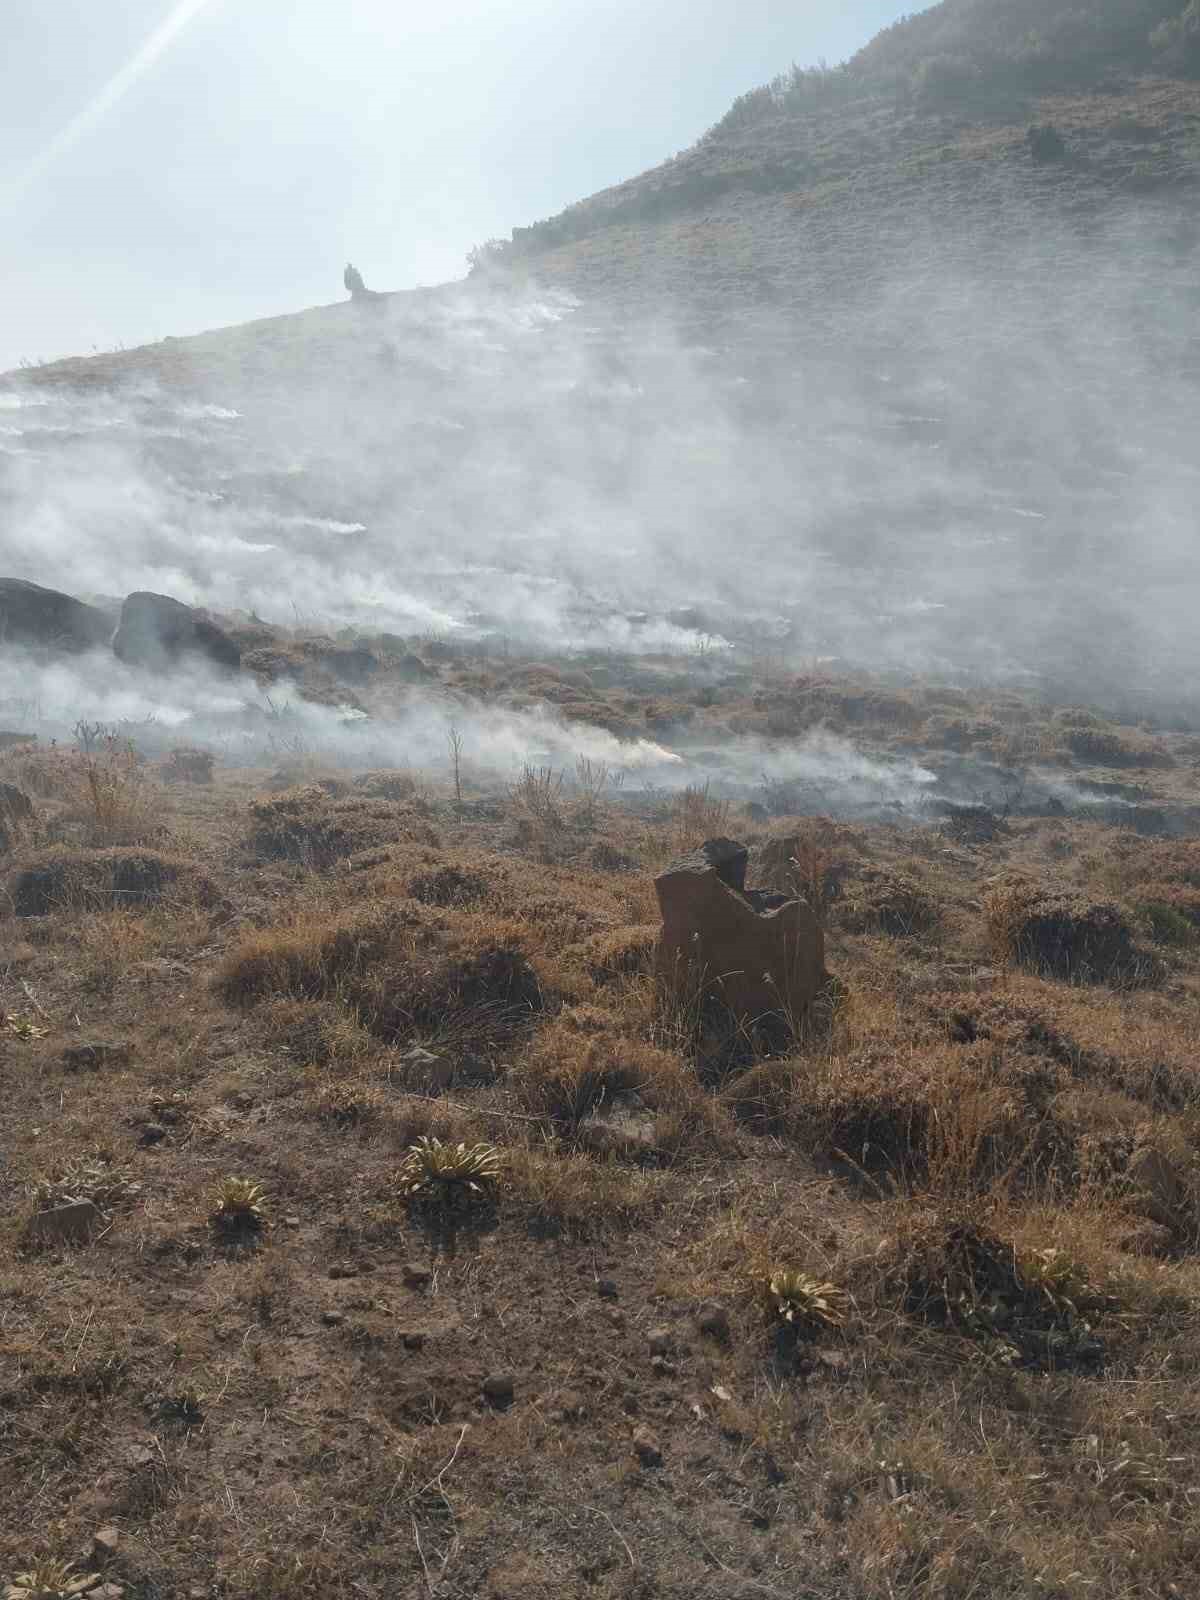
<point>359,292</point>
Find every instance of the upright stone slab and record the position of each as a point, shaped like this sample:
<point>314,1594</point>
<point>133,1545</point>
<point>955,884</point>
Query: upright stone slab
<point>761,954</point>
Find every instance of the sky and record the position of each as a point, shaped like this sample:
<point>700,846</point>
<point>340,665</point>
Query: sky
<point>175,165</point>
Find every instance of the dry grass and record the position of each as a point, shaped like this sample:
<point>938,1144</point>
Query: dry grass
<point>986,1174</point>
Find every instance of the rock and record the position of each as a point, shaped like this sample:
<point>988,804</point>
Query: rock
<point>417,1277</point>
<point>647,1448</point>
<point>659,1341</point>
<point>69,1224</point>
<point>31,615</point>
<point>498,1388</point>
<point>413,1341</point>
<point>760,954</point>
<point>425,1070</point>
<point>333,1319</point>
<point>157,632</point>
<point>343,1270</point>
<point>606,1288</point>
<point>94,1053</point>
<point>153,1133</point>
<point>105,1544</point>
<point>713,1319</point>
<point>15,808</point>
<point>15,804</point>
<point>1153,1174</point>
<point>107,1591</point>
<point>291,1222</point>
<point>354,665</point>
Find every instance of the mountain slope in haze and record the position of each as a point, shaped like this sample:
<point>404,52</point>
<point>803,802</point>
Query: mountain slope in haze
<point>924,131</point>
<point>856,374</point>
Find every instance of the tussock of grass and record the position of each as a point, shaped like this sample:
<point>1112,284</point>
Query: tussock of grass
<point>63,879</point>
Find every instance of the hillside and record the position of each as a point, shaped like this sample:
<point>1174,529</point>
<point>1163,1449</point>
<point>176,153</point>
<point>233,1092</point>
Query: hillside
<point>424,1176</point>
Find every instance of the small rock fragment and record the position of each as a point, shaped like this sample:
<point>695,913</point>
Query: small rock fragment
<point>647,1448</point>
<point>333,1319</point>
<point>498,1388</point>
<point>291,1222</point>
<point>69,1224</point>
<point>417,1277</point>
<point>341,1270</point>
<point>153,1133</point>
<point>105,1543</point>
<point>606,1288</point>
<point>94,1053</point>
<point>659,1340</point>
<point>713,1319</point>
<point>413,1341</point>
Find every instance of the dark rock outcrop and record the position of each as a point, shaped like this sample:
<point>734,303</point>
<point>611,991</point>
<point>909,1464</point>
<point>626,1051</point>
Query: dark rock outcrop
<point>761,955</point>
<point>158,632</point>
<point>31,615</point>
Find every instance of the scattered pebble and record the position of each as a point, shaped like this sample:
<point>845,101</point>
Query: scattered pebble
<point>647,1448</point>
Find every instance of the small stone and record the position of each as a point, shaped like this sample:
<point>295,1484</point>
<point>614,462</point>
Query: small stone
<point>659,1340</point>
<point>606,1288</point>
<point>647,1448</point>
<point>291,1222</point>
<point>333,1319</point>
<point>105,1543</point>
<point>107,1591</point>
<point>661,1366</point>
<point>94,1053</point>
<point>417,1277</point>
<point>498,1388</point>
<point>153,1133</point>
<point>343,1271</point>
<point>616,1318</point>
<point>141,1456</point>
<point>69,1224</point>
<point>713,1319</point>
<point>414,1341</point>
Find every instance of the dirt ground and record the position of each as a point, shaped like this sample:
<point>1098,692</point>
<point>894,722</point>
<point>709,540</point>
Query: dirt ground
<point>981,1156</point>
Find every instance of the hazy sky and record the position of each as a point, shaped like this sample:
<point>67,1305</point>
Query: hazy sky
<point>169,167</point>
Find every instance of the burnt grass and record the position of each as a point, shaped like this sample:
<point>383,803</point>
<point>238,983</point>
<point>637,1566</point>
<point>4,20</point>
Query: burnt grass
<point>987,1143</point>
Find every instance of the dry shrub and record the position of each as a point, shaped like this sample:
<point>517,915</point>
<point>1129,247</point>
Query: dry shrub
<point>697,815</point>
<point>538,795</point>
<point>568,1074</point>
<point>400,969</point>
<point>387,785</point>
<point>618,953</point>
<point>884,902</point>
<point>314,828</point>
<point>1064,936</point>
<point>313,1032</point>
<point>313,956</point>
<point>187,765</point>
<point>1036,1307</point>
<point>813,861</point>
<point>16,816</point>
<point>96,880</point>
<point>448,885</point>
<point>957,1119</point>
<point>570,1193</point>
<point>607,857</point>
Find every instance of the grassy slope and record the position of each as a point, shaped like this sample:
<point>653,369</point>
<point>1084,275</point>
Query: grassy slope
<point>302,1413</point>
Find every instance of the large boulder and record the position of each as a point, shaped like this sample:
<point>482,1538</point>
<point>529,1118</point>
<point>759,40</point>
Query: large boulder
<point>761,955</point>
<point>158,632</point>
<point>31,615</point>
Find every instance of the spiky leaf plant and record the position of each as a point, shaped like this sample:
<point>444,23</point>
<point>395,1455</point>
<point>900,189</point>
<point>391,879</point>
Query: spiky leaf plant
<point>806,1302</point>
<point>239,1203</point>
<point>449,1174</point>
<point>48,1579</point>
<point>1057,1279</point>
